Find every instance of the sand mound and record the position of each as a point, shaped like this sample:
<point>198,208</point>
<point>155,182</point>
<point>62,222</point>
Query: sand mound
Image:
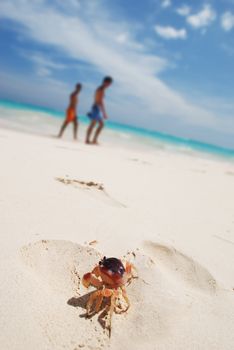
<point>59,264</point>
<point>181,268</point>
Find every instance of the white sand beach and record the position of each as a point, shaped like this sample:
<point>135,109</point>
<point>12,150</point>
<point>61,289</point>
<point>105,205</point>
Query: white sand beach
<point>170,214</point>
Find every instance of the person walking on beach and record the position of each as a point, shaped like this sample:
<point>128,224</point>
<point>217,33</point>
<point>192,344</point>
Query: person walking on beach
<point>98,112</point>
<point>71,116</point>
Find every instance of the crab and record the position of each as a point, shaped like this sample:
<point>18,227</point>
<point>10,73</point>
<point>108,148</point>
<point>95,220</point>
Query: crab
<point>109,277</point>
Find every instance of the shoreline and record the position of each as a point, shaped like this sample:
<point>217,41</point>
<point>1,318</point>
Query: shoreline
<point>129,136</point>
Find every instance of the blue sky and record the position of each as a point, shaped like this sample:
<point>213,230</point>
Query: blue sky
<point>172,61</point>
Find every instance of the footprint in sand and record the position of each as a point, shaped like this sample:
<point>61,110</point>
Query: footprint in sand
<point>94,188</point>
<point>59,264</point>
<point>55,269</point>
<point>181,268</point>
<point>172,290</point>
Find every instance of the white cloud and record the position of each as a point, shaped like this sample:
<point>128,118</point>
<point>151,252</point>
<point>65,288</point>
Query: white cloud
<point>166,3</point>
<point>203,18</point>
<point>170,32</point>
<point>41,60</point>
<point>184,10</point>
<point>227,21</point>
<point>43,72</point>
<point>122,38</point>
<point>125,39</point>
<point>44,66</point>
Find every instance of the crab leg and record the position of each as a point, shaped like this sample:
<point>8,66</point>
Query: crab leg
<point>99,303</point>
<point>88,279</point>
<point>129,270</point>
<point>99,294</point>
<point>112,307</point>
<point>124,293</point>
<point>90,302</point>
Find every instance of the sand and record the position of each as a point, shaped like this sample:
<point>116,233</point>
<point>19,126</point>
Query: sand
<point>64,205</point>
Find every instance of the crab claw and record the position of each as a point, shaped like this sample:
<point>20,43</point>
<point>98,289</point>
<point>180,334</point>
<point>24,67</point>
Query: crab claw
<point>86,279</point>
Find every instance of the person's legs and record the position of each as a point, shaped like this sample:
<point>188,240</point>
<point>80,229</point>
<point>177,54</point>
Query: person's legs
<point>65,124</point>
<point>99,129</point>
<point>89,131</point>
<point>75,128</point>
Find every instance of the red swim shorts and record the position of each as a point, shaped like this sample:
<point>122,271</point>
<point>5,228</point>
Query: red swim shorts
<point>71,115</point>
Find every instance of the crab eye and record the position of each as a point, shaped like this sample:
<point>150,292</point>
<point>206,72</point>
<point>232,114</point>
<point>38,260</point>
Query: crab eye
<point>102,262</point>
<point>121,270</point>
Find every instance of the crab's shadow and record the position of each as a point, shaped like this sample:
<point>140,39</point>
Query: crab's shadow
<point>103,311</point>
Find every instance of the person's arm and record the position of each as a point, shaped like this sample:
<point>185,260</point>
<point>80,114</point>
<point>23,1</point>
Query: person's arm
<point>70,100</point>
<point>102,106</point>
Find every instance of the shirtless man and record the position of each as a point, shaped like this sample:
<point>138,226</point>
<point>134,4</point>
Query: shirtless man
<point>71,116</point>
<point>98,111</point>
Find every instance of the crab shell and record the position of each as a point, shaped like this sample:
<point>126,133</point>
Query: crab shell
<point>112,278</point>
<point>110,272</point>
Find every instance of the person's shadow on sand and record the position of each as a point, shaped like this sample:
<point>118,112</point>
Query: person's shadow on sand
<point>82,301</point>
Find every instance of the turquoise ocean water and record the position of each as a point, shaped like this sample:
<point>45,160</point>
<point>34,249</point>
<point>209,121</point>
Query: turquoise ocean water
<point>44,121</point>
